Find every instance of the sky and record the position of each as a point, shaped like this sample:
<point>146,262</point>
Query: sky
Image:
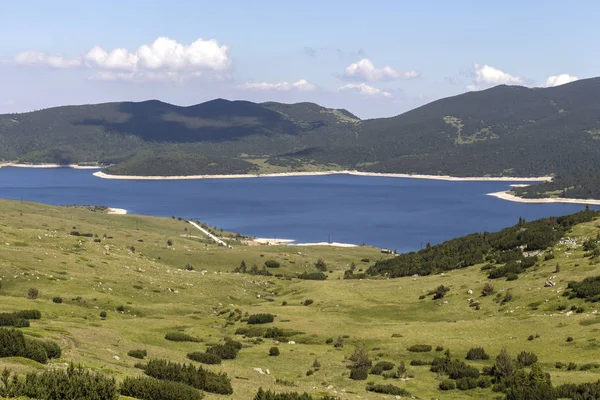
<point>374,58</point>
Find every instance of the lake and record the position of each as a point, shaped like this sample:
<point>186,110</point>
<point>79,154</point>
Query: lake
<point>397,213</point>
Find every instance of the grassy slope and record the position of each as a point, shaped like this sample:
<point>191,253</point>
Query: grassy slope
<point>368,311</point>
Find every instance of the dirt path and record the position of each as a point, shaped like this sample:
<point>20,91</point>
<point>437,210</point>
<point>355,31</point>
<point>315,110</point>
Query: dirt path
<point>210,235</point>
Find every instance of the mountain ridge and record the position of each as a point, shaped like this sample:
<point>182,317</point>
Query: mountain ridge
<point>501,131</point>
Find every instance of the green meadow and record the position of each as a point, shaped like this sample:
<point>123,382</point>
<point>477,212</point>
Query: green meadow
<point>154,276</point>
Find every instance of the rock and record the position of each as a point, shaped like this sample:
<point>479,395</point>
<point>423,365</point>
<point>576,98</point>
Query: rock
<point>291,342</point>
<point>549,284</point>
<point>117,358</point>
<point>259,370</point>
<point>469,291</point>
<point>267,371</point>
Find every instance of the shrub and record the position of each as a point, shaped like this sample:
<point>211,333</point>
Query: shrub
<point>477,353</point>
<point>11,319</point>
<point>484,382</point>
<point>571,366</point>
<point>52,349</point>
<point>75,383</point>
<point>329,341</point>
<point>29,314</point>
<point>310,372</point>
<point>33,293</point>
<point>321,265</point>
<point>264,318</point>
<point>455,369</point>
<point>359,374</point>
<point>189,267</point>
<point>487,290</point>
<point>339,343</point>
<point>274,351</point>
<point>103,314</point>
<point>57,300</point>
<point>204,358</point>
<point>169,242</point>
<point>525,358</point>
<point>382,366</point>
<point>14,344</point>
<point>447,384</point>
<point>466,383</point>
<point>570,339</point>
<point>512,276</point>
<point>227,351</point>
<point>268,395</point>
<point>145,388</point>
<point>387,389</point>
<point>439,348</point>
<point>272,264</point>
<point>308,302</point>
<point>180,337</point>
<point>439,292</point>
<point>530,337</point>
<point>196,377</point>
<point>137,353</point>
<point>419,362</point>
<point>312,276</point>
<point>420,348</point>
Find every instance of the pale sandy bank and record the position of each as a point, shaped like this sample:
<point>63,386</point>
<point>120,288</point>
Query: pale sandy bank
<point>334,244</point>
<point>273,241</point>
<point>74,166</point>
<point>101,174</point>
<point>511,197</point>
<point>117,211</point>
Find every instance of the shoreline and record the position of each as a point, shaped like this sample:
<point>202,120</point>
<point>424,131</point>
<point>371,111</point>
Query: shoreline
<point>116,211</point>
<point>50,165</point>
<point>100,174</point>
<point>506,195</point>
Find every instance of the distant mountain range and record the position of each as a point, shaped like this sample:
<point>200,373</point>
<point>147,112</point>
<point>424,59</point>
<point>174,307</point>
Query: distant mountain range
<point>502,131</point>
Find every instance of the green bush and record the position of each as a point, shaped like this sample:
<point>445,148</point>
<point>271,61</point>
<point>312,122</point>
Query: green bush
<point>29,314</point>
<point>308,302</point>
<point>145,388</point>
<point>196,377</point>
<point>14,344</point>
<point>263,318</point>
<point>525,358</point>
<point>466,383</point>
<point>204,358</point>
<point>180,337</point>
<point>512,276</point>
<point>387,389</point>
<point>11,319</point>
<point>137,353</point>
<point>274,351</point>
<point>420,348</point>
<point>57,300</point>
<point>227,351</point>
<point>268,395</point>
<point>33,293</point>
<point>103,314</point>
<point>312,276</point>
<point>75,383</point>
<point>359,374</point>
<point>447,384</point>
<point>419,362</point>
<point>272,264</point>
<point>382,366</point>
<point>477,353</point>
<point>52,349</point>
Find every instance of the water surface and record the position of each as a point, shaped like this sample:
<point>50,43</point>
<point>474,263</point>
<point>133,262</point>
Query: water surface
<point>397,213</point>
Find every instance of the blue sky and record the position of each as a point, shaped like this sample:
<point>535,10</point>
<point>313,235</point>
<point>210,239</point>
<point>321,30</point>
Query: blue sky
<point>375,58</point>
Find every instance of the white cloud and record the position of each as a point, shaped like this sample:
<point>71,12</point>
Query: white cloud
<point>486,76</point>
<point>366,71</point>
<point>163,59</point>
<point>557,80</point>
<point>364,89</point>
<point>301,85</point>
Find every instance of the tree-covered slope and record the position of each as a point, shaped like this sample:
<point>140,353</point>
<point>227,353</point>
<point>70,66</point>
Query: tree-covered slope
<point>505,130</point>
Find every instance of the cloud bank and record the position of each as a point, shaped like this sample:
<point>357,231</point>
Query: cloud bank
<point>364,89</point>
<point>364,70</point>
<point>557,80</point>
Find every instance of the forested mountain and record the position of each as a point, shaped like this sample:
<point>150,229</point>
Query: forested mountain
<point>505,130</point>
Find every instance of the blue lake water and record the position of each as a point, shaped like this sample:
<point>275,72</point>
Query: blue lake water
<point>397,213</point>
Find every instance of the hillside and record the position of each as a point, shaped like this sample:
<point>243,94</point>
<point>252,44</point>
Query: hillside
<point>111,288</point>
<point>502,131</point>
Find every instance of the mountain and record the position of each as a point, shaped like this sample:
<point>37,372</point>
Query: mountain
<point>505,130</point>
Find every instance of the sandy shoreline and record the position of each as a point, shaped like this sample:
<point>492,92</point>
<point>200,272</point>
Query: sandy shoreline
<point>511,197</point>
<point>101,174</point>
<point>116,211</point>
<point>74,166</point>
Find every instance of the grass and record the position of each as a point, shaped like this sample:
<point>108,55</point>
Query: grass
<point>160,296</point>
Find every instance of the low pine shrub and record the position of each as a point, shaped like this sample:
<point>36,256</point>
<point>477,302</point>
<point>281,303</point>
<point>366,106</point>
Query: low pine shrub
<point>387,389</point>
<point>525,358</point>
<point>447,384</point>
<point>145,388</point>
<point>204,358</point>
<point>57,300</point>
<point>180,337</point>
<point>477,353</point>
<point>141,354</point>
<point>274,351</point>
<point>359,374</point>
<point>263,318</point>
<point>188,374</point>
<point>420,348</point>
<point>382,366</point>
